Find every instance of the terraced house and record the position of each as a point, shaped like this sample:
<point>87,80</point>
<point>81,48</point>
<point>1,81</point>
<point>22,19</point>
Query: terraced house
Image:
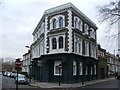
<point>64,44</point>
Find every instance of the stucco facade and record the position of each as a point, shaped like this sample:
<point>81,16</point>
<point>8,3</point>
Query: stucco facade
<point>64,36</point>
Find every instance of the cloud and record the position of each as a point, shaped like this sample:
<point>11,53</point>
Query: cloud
<point>18,20</point>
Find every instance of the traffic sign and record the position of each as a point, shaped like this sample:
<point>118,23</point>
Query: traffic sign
<point>18,63</point>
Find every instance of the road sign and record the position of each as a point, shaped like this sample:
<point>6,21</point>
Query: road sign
<point>18,63</point>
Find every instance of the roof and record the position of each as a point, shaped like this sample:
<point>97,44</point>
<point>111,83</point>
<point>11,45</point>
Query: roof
<point>66,6</point>
<point>60,8</point>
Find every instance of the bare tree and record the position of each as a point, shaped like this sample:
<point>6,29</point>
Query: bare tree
<point>109,12</point>
<point>8,63</point>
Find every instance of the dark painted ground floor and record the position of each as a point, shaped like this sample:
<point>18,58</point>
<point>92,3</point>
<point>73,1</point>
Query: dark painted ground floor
<point>75,68</point>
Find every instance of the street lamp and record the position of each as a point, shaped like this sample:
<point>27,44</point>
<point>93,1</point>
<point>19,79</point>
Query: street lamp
<point>30,63</point>
<point>59,68</point>
<point>27,46</point>
<point>18,63</point>
<point>115,61</point>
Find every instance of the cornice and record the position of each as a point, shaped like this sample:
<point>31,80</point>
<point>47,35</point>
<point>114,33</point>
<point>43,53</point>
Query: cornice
<point>66,7</point>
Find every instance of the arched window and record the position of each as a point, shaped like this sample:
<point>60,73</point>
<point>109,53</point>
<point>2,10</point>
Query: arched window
<point>76,23</point>
<point>54,43</point>
<point>60,22</point>
<point>86,29</point>
<point>80,25</point>
<point>61,42</point>
<point>54,23</point>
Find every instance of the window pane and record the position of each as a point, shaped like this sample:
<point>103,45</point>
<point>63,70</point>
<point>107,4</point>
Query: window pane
<point>76,23</point>
<point>61,42</point>
<point>60,22</point>
<point>74,68</point>
<point>75,46</point>
<point>56,68</point>
<point>54,43</point>
<point>80,68</point>
<point>79,48</point>
<point>86,70</point>
<point>54,23</point>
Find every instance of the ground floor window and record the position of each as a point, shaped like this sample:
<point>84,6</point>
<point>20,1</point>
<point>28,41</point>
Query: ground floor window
<point>74,68</point>
<point>80,68</point>
<point>91,70</point>
<point>95,68</point>
<point>86,70</point>
<point>57,69</point>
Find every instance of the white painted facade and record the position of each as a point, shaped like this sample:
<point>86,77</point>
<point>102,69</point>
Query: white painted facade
<point>113,63</point>
<point>70,31</point>
<point>40,44</point>
<point>26,62</point>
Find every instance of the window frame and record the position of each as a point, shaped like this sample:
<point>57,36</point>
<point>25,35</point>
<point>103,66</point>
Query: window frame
<point>61,22</point>
<point>86,27</point>
<point>60,42</point>
<point>74,68</point>
<point>54,43</point>
<point>91,70</point>
<point>80,68</point>
<point>76,23</point>
<point>86,70</point>
<point>56,63</point>
<point>54,24</point>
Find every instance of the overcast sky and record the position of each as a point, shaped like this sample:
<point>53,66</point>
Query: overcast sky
<point>18,19</point>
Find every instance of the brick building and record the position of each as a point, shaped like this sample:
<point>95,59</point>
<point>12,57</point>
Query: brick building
<point>64,37</point>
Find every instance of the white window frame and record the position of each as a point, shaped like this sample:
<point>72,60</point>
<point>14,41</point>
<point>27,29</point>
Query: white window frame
<point>95,71</point>
<point>81,68</point>
<point>94,51</point>
<point>91,70</point>
<point>86,69</point>
<point>74,68</point>
<point>76,22</point>
<point>76,46</point>
<point>57,50</point>
<point>54,25</point>
<point>60,44</point>
<point>80,48</point>
<point>56,63</point>
<point>61,23</point>
<point>80,23</point>
<point>86,48</point>
<point>77,41</point>
<point>86,27</point>
<point>57,21</point>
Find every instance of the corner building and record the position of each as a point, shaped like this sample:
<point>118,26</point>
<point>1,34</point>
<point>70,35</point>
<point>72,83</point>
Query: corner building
<point>64,36</point>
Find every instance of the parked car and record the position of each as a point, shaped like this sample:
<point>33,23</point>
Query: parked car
<point>5,73</point>
<point>12,74</point>
<point>118,76</point>
<point>22,79</point>
<point>8,74</point>
<point>0,73</point>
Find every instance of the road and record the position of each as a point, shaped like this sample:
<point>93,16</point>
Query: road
<point>0,82</point>
<point>112,85</point>
<point>9,84</point>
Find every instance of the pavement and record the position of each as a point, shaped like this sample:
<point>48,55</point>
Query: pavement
<point>63,85</point>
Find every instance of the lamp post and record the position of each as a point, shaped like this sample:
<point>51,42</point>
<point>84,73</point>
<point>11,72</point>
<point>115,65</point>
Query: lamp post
<point>59,68</point>
<point>30,63</point>
<point>115,61</point>
<point>89,34</point>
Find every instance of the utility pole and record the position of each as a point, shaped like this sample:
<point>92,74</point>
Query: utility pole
<point>119,29</point>
<point>17,64</point>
